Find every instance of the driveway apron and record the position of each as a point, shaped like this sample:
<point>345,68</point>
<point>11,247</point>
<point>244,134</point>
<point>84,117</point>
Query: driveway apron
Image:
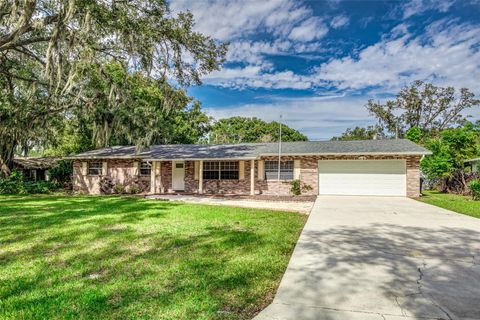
<point>381,258</point>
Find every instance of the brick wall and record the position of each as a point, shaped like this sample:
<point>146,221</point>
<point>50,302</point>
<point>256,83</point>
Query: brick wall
<point>309,171</point>
<point>413,177</point>
<point>84,184</point>
<point>122,172</point>
<point>217,186</point>
<point>308,176</point>
<point>119,170</point>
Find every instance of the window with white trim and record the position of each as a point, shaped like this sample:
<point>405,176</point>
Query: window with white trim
<point>95,168</point>
<point>145,168</point>
<point>220,170</point>
<point>286,170</point>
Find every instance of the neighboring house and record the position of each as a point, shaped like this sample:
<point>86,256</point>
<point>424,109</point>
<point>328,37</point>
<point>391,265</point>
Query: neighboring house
<point>473,163</point>
<point>373,167</point>
<point>35,168</point>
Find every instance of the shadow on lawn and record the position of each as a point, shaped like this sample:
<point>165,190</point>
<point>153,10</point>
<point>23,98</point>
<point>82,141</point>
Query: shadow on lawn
<point>430,273</point>
<point>25,218</point>
<point>90,265</point>
<point>162,273</point>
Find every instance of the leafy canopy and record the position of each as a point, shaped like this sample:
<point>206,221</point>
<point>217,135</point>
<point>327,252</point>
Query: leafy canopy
<point>242,129</point>
<point>450,149</point>
<point>359,133</point>
<point>422,105</point>
<point>112,62</point>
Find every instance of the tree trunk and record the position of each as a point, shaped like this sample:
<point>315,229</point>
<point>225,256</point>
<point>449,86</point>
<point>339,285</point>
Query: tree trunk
<point>7,152</point>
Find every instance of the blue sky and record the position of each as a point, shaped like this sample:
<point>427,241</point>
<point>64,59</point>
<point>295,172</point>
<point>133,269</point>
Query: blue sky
<point>318,62</point>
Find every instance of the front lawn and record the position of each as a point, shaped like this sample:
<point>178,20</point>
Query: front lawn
<point>87,257</point>
<point>460,204</point>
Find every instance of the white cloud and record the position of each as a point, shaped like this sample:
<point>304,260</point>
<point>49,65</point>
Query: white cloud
<point>253,52</point>
<point>235,19</point>
<point>339,21</point>
<point>447,54</point>
<point>319,118</point>
<point>416,7</point>
<point>259,76</point>
<point>308,30</point>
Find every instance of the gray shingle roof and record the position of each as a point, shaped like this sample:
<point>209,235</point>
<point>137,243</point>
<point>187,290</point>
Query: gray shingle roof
<point>400,146</point>
<point>35,162</point>
<point>254,150</point>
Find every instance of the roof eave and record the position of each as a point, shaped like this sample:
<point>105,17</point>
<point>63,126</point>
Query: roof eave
<point>103,157</point>
<point>198,159</point>
<point>347,153</point>
<point>158,159</point>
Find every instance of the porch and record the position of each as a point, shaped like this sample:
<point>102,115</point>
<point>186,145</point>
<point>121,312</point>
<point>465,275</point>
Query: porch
<point>225,176</point>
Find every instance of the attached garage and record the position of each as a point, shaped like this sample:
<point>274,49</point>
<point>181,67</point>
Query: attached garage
<point>389,167</point>
<point>362,177</point>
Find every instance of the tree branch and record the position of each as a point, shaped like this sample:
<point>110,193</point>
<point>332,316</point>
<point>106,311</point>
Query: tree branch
<point>13,45</point>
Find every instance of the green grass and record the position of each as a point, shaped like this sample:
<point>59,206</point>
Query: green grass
<point>460,204</point>
<point>92,257</point>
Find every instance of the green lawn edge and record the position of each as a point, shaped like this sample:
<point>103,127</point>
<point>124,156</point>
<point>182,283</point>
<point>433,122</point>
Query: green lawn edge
<point>457,203</point>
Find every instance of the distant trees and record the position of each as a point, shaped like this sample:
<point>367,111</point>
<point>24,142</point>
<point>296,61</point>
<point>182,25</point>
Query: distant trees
<point>359,133</point>
<point>436,118</point>
<point>243,129</point>
<point>428,108</point>
<point>424,106</point>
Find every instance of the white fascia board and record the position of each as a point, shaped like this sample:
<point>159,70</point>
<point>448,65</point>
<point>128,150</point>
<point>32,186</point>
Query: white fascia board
<point>198,159</point>
<point>348,154</point>
<point>106,157</point>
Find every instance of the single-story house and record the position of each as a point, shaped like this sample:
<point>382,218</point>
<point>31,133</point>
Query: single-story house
<point>35,168</point>
<point>370,167</point>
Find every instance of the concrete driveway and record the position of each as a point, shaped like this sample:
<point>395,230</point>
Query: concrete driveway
<point>381,258</point>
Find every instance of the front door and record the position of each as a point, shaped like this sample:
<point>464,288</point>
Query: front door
<point>178,175</point>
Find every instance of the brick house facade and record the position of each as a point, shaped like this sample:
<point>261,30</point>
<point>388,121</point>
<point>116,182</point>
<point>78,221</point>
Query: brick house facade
<point>126,173</point>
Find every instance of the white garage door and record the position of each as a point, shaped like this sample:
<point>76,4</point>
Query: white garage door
<point>362,177</point>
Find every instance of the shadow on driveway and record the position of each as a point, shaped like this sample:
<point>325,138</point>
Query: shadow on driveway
<point>375,270</point>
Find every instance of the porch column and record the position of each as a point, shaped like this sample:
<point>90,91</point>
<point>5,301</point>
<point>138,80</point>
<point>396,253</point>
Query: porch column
<point>252,177</point>
<point>159,173</point>
<point>200,177</point>
<point>153,181</point>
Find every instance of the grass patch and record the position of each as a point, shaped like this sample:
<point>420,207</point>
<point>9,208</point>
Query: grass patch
<point>88,257</point>
<point>460,204</point>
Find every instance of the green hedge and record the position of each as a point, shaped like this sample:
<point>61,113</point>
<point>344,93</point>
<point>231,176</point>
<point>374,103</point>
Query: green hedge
<point>16,184</point>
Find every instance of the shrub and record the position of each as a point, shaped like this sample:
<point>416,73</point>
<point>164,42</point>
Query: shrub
<point>298,187</point>
<point>475,188</point>
<point>106,185</point>
<point>119,189</point>
<point>41,186</point>
<point>62,172</point>
<point>134,189</point>
<point>13,184</point>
